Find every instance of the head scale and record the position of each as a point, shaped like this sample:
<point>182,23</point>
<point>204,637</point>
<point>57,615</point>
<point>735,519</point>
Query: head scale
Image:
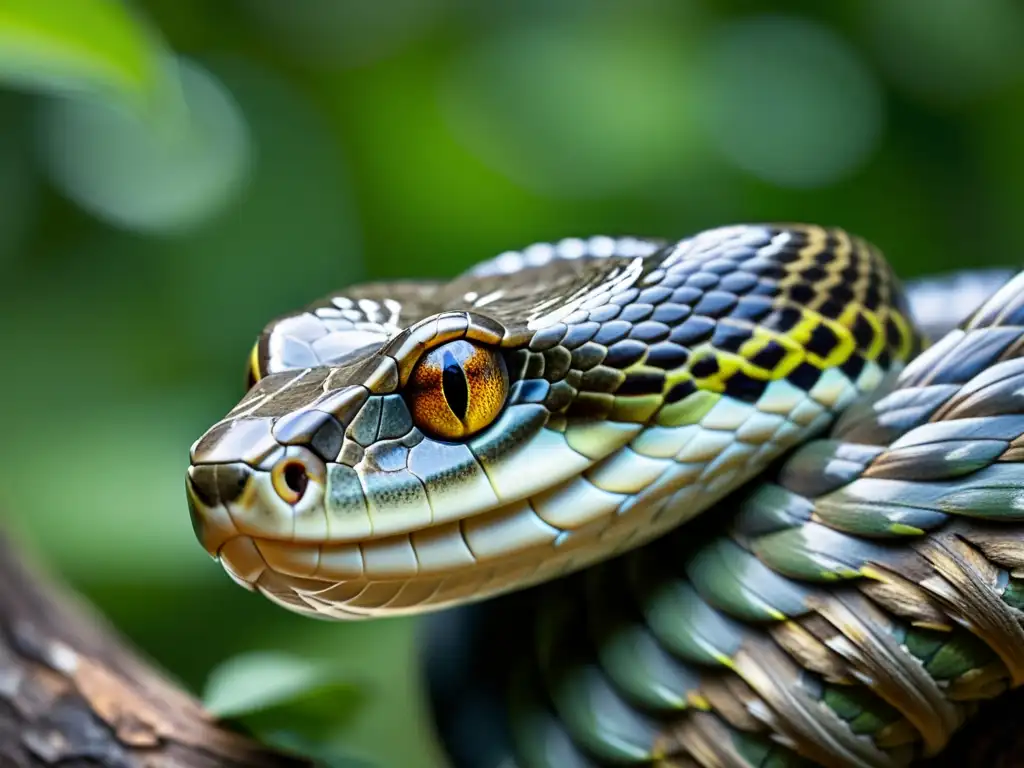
<point>453,441</point>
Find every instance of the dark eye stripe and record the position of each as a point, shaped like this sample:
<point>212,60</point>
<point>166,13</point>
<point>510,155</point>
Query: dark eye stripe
<point>456,389</point>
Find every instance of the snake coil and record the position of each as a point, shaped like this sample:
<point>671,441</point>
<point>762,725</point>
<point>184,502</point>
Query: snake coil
<point>549,421</point>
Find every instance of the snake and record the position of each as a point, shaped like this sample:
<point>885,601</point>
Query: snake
<point>720,501</point>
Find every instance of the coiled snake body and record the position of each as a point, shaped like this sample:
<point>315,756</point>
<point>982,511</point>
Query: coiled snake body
<point>555,412</point>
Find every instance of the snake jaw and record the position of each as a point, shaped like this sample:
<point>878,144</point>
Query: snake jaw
<point>520,504</point>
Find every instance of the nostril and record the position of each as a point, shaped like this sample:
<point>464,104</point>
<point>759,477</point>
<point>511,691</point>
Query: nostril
<point>217,483</point>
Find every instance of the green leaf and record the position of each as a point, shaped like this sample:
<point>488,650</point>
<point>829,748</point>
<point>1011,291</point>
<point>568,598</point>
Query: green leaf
<point>279,692</point>
<point>93,46</point>
<point>151,142</point>
<point>169,167</point>
<point>290,702</point>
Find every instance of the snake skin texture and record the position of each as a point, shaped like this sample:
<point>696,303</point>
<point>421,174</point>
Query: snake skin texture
<point>851,611</point>
<point>602,392</point>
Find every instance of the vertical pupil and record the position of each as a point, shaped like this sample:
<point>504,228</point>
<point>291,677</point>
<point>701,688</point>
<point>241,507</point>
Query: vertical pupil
<point>453,382</point>
<point>295,477</point>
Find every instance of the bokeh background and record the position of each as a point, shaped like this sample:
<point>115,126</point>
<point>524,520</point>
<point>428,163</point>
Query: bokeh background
<point>175,172</point>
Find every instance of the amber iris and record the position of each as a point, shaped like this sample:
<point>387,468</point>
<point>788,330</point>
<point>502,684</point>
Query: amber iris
<point>457,389</point>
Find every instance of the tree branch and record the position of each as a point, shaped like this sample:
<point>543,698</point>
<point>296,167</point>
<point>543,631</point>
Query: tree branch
<point>72,692</point>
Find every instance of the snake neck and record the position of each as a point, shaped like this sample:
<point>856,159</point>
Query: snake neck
<point>851,611</point>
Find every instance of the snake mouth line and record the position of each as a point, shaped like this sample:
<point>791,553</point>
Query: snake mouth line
<point>437,550</point>
<point>508,548</point>
<point>583,510</point>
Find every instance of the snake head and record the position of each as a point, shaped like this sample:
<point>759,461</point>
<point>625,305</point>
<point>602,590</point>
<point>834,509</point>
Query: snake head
<point>329,471</point>
<point>412,446</point>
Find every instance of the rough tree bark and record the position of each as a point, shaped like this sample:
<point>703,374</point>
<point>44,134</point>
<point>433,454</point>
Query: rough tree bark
<point>74,694</point>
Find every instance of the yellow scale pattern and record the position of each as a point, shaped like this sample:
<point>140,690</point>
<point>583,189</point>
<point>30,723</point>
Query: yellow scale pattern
<point>796,342</point>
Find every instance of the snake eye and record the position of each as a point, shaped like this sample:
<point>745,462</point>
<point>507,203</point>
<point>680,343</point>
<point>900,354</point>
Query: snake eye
<point>291,479</point>
<point>457,389</point>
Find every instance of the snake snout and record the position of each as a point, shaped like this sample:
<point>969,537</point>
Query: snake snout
<point>212,489</point>
<point>218,483</point>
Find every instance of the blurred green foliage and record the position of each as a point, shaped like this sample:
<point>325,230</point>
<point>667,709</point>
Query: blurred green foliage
<point>175,172</point>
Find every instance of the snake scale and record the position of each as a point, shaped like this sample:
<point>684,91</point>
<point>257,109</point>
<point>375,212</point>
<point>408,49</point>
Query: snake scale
<point>623,441</point>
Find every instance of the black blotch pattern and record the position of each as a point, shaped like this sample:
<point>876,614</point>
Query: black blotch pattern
<point>852,367</point>
<point>706,366</point>
<point>831,309</point>
<point>769,356</point>
<point>744,388</point>
<point>823,340</point>
<point>842,293</point>
<point>591,405</point>
<point>680,390</point>
<point>872,297</point>
<point>801,293</point>
<point>804,376</point>
<point>782,320</point>
<point>892,333</point>
<point>814,274</point>
<point>863,333</point>
<point>642,383</point>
